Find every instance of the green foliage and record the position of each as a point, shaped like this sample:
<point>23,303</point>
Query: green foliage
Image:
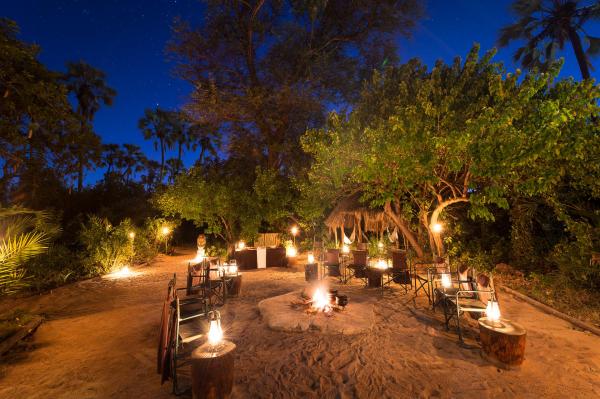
<point>463,133</point>
<point>217,199</point>
<point>58,266</point>
<point>108,247</point>
<point>24,234</point>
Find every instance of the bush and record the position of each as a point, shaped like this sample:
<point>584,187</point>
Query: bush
<point>58,266</point>
<point>107,246</point>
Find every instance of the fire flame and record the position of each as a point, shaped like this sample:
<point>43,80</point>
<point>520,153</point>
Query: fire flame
<point>320,300</point>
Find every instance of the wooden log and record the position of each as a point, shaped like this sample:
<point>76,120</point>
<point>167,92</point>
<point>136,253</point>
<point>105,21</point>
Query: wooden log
<point>235,285</point>
<point>503,341</point>
<point>23,332</point>
<point>212,371</point>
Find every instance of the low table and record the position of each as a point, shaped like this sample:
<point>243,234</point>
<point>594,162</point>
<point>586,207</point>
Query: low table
<point>503,341</point>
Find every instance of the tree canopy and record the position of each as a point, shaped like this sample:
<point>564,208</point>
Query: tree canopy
<point>420,141</point>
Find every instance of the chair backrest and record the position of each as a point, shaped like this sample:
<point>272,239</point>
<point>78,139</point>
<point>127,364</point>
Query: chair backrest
<point>399,260</point>
<point>484,287</point>
<point>465,278</point>
<point>332,256</point>
<point>361,246</point>
<point>359,258</point>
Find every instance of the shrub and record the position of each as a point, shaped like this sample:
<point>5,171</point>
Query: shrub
<point>58,266</point>
<point>24,234</point>
<point>107,246</point>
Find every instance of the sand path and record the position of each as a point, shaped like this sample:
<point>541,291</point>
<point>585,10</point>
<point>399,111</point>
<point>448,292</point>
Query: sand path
<point>99,342</point>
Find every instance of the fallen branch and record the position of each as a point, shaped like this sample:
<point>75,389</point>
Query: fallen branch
<point>27,329</point>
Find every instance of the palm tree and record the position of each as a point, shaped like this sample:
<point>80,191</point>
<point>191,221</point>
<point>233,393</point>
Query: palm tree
<point>546,25</point>
<point>88,84</point>
<point>134,160</point>
<point>203,136</point>
<point>155,125</point>
<point>111,153</point>
<point>24,234</point>
<point>179,135</point>
<point>174,165</point>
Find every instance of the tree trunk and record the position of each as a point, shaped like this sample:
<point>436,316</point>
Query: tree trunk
<point>162,160</point>
<point>434,219</point>
<point>178,158</point>
<point>579,53</point>
<point>80,173</point>
<point>403,226</point>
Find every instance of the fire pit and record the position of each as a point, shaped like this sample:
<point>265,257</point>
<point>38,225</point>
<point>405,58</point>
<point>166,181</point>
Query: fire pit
<point>318,309</point>
<point>321,300</point>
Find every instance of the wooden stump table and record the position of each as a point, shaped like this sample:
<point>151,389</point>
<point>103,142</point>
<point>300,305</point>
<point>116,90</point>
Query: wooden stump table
<point>234,285</point>
<point>374,277</point>
<point>503,341</point>
<point>212,371</point>
<point>311,272</point>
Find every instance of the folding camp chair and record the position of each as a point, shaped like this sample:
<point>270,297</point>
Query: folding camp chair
<point>332,263</point>
<point>180,325</point>
<point>359,265</point>
<point>399,273</point>
<point>473,301</point>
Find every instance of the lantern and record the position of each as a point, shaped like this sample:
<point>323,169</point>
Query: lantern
<point>131,235</point>
<point>291,252</point>
<point>345,249</point>
<point>165,230</point>
<point>215,332</point>
<point>241,245</point>
<point>311,259</point>
<point>492,311</point>
<point>382,264</point>
<point>446,280</point>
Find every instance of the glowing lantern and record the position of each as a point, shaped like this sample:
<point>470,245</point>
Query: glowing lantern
<point>131,235</point>
<point>380,245</point>
<point>215,332</point>
<point>294,230</point>
<point>446,280</point>
<point>165,230</point>
<point>345,249</point>
<point>381,264</point>
<point>437,228</point>
<point>233,269</point>
<point>241,245</point>
<point>311,259</point>
<point>291,252</point>
<point>492,311</point>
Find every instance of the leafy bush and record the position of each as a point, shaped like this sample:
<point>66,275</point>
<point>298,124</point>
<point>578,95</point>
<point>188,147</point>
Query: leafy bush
<point>107,246</point>
<point>160,230</point>
<point>24,235</point>
<point>57,267</point>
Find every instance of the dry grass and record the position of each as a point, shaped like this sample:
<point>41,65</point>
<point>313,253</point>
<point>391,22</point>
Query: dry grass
<point>554,291</point>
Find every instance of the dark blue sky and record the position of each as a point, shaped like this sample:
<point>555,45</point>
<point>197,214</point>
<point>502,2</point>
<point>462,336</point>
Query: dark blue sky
<point>126,39</point>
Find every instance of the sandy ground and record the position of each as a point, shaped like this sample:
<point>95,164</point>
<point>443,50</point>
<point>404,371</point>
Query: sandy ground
<point>99,341</point>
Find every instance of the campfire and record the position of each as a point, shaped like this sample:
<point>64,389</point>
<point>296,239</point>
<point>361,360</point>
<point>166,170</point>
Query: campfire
<point>322,301</point>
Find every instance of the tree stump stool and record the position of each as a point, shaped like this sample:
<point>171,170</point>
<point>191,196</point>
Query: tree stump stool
<point>212,371</point>
<point>235,285</point>
<point>503,341</point>
<point>374,277</point>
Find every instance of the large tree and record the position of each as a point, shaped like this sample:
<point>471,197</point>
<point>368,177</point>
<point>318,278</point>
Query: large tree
<point>264,71</point>
<point>547,25</point>
<point>35,116</point>
<point>89,87</point>
<point>419,143</point>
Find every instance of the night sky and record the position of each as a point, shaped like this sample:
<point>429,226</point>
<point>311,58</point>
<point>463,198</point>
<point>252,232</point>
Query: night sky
<point>126,39</point>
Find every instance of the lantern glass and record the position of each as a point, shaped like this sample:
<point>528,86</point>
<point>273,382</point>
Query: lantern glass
<point>241,245</point>
<point>311,259</point>
<point>215,333</point>
<point>291,252</point>
<point>345,249</point>
<point>492,311</point>
<point>446,280</point>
